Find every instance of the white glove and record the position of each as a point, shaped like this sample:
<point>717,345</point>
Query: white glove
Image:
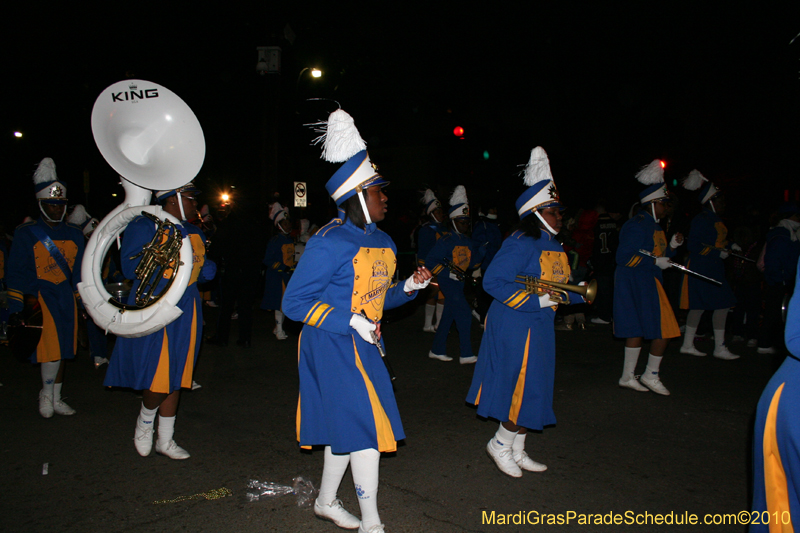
<point>476,273</point>
<point>545,301</point>
<point>453,276</point>
<point>412,285</point>
<point>363,326</point>
<point>723,254</point>
<point>674,242</point>
<point>736,248</point>
<point>662,262</point>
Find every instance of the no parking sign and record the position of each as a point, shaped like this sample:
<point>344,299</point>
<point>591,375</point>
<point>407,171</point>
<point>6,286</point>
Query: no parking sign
<point>300,194</point>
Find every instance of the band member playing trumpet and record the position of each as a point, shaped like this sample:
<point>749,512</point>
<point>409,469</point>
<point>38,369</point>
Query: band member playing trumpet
<point>708,247</point>
<point>160,364</point>
<point>449,260</point>
<point>641,308</point>
<point>346,401</point>
<point>43,270</point>
<point>514,376</point>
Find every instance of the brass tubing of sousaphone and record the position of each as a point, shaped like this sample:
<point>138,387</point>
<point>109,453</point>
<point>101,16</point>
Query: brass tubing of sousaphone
<point>536,285</point>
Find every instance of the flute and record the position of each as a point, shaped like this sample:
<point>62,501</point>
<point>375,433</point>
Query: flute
<point>681,267</point>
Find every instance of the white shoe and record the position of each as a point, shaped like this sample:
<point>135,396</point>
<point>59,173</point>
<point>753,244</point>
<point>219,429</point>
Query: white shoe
<point>196,385</point>
<point>737,338</point>
<point>211,303</point>
<point>45,404</point>
<point>100,361</point>
<point>765,351</point>
<point>723,353</point>
<point>526,463</point>
<point>143,439</point>
<point>429,329</point>
<point>61,408</point>
<point>172,450</point>
<point>504,460</point>
<point>752,343</point>
<point>281,335</point>
<point>632,383</point>
<point>468,360</point>
<point>378,528</point>
<point>598,320</point>
<point>691,350</point>
<point>336,514</point>
<point>439,357</point>
<point>654,384</point>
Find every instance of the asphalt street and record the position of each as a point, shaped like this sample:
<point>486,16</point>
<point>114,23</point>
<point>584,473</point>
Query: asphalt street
<point>613,451</point>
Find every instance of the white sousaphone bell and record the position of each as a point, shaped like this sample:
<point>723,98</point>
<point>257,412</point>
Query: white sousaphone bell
<point>152,139</point>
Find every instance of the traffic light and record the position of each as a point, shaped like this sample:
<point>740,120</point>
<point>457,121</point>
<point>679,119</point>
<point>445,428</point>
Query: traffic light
<point>458,131</point>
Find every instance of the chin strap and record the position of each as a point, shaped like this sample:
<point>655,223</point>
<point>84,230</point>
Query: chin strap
<point>63,213</point>
<point>453,224</point>
<point>367,219</point>
<point>546,225</point>
<point>653,210</point>
<point>180,206</point>
<point>711,203</point>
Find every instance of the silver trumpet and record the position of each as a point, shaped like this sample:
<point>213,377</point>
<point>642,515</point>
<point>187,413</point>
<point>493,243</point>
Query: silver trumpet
<point>673,264</point>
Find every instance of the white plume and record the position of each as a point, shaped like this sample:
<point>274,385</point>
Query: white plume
<point>538,168</point>
<point>340,138</point>
<point>78,215</point>
<point>693,181</point>
<point>428,197</point>
<point>459,196</point>
<point>651,174</point>
<point>45,172</point>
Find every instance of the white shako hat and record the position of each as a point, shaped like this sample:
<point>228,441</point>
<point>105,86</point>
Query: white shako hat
<point>459,205</point>
<point>541,191</point>
<point>695,180</point>
<point>82,219</point>
<point>48,188</point>
<point>341,143</point>
<point>430,201</point>
<point>652,175</point>
<point>277,213</point>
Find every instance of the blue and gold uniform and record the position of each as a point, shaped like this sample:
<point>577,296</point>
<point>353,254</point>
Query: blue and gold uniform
<point>161,362</point>
<point>279,260</point>
<point>32,270</point>
<point>641,307</point>
<point>515,371</point>
<point>708,236</point>
<point>776,462</point>
<point>346,398</point>
<point>466,255</point>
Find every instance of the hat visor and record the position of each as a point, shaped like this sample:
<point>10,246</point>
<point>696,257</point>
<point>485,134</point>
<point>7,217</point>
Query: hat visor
<point>54,201</point>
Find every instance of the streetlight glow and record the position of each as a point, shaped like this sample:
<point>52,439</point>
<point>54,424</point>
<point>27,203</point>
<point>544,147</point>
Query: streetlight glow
<point>316,73</point>
<point>18,134</point>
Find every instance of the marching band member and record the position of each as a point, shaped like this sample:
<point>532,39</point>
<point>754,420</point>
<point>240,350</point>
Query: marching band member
<point>162,363</point>
<point>513,380</point>
<point>98,343</point>
<point>708,247</point>
<point>339,290</point>
<point>453,256</point>
<point>279,260</point>
<point>43,270</point>
<point>776,464</point>
<point>641,308</point>
<point>430,232</point>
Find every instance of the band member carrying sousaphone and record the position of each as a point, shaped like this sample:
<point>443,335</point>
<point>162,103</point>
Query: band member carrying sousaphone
<point>43,271</point>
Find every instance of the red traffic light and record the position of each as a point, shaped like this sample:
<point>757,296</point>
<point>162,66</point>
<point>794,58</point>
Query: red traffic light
<point>458,131</point>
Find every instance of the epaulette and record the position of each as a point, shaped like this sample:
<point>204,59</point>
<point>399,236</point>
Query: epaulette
<point>334,223</point>
<point>26,224</point>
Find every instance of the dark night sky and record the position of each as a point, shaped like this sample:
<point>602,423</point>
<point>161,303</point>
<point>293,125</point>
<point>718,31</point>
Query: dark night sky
<point>712,86</point>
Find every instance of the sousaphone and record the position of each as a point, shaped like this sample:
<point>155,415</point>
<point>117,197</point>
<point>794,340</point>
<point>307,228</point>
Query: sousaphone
<point>151,138</point>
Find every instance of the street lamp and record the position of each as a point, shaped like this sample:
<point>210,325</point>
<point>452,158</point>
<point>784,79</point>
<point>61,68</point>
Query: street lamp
<point>315,73</point>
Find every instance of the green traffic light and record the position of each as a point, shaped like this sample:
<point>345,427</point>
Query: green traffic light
<point>485,155</point>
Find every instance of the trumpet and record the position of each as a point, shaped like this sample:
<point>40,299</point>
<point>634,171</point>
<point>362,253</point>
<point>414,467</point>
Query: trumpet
<point>458,271</point>
<point>559,291</point>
